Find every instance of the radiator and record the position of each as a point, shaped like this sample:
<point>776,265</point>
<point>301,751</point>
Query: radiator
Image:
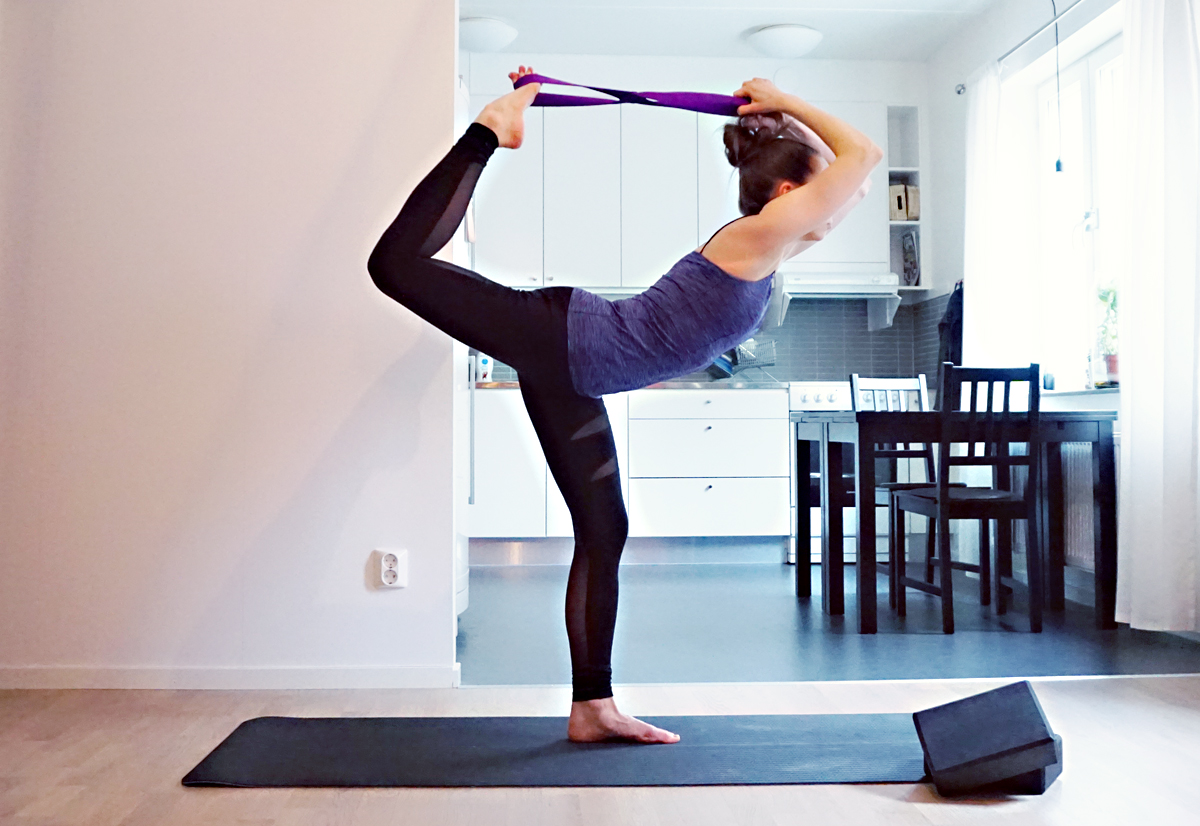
<point>1078,520</point>
<point>1078,516</point>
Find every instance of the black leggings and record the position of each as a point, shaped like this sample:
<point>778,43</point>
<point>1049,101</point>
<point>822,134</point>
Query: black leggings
<point>528,331</point>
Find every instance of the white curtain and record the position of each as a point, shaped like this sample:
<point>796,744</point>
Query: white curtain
<point>1159,531</point>
<point>981,281</point>
<point>1000,226</point>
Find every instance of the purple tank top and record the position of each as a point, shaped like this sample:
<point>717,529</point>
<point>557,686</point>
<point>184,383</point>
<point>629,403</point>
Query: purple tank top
<point>678,326</point>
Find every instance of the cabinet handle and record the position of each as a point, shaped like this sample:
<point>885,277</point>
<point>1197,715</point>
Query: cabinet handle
<point>708,401</point>
<point>708,428</point>
<point>549,277</point>
<point>533,278</point>
<point>709,487</point>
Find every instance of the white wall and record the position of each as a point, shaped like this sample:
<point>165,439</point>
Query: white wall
<point>984,38</point>
<point>212,416</point>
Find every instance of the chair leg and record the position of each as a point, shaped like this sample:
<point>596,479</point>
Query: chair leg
<point>900,570</point>
<point>930,540</point>
<point>1036,578</point>
<point>892,539</point>
<point>1003,567</point>
<point>943,537</point>
<point>985,562</point>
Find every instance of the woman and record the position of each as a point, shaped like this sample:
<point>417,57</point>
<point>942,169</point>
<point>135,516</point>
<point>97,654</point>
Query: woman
<point>570,347</point>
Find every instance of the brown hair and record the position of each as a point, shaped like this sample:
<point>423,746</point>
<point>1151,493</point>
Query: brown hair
<point>764,156</point>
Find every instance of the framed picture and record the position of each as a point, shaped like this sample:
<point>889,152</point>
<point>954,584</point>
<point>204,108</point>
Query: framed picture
<point>909,245</point>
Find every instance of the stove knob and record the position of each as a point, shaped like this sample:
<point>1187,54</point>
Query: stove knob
<point>804,398</point>
<point>832,397</point>
<point>817,398</point>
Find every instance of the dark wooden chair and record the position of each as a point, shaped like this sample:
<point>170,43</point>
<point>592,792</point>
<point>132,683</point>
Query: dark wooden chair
<point>984,421</point>
<point>897,395</point>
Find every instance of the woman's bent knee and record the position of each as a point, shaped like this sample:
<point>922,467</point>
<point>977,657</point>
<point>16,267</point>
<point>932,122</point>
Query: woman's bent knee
<point>389,271</point>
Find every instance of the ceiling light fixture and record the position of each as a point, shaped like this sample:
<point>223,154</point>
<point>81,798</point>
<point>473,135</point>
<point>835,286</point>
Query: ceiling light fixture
<point>484,34</point>
<point>786,40</point>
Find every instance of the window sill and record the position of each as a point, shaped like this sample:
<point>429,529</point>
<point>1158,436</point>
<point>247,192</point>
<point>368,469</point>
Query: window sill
<point>1095,391</point>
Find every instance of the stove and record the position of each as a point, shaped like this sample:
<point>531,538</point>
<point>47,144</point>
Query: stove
<point>819,395</point>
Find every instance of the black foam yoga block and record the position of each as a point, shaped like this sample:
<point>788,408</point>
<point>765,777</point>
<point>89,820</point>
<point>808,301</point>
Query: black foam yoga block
<point>1035,782</point>
<point>986,739</point>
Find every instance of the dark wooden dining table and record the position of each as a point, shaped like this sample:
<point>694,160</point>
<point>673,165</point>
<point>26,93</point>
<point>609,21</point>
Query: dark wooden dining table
<point>829,431</point>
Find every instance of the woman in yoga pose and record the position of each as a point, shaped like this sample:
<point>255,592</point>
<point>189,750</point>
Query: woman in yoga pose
<point>570,347</point>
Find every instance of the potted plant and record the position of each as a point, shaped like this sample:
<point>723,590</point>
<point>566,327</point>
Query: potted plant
<point>1108,332</point>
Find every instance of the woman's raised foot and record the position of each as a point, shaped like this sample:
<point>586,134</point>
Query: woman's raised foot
<point>506,115</point>
<point>593,721</point>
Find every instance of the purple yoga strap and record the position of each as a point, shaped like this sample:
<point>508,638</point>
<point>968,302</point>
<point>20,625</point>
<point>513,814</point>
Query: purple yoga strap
<point>704,102</point>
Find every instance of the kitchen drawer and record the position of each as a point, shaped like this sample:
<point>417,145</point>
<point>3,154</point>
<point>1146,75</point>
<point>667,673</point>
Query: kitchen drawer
<point>708,404</point>
<point>709,507</point>
<point>709,447</point>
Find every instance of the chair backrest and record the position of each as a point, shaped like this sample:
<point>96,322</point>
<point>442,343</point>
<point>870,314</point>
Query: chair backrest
<point>888,395</point>
<point>981,411</point>
<point>895,395</point>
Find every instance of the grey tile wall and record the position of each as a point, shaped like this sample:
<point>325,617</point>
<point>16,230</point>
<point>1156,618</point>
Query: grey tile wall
<point>827,340</point>
<point>502,372</point>
<point>927,314</point>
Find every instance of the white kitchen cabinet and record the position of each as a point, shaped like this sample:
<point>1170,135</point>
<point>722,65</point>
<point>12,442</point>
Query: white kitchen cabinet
<point>708,447</point>
<point>658,191</point>
<point>558,518</point>
<point>709,463</point>
<point>709,507</point>
<point>708,404</point>
<point>582,196</point>
<point>509,469</point>
<point>862,236</point>
<point>682,475</point>
<point>508,208</point>
<point>717,184</point>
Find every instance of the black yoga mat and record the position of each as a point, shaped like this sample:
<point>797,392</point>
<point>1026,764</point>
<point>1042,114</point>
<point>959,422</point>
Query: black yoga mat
<point>534,751</point>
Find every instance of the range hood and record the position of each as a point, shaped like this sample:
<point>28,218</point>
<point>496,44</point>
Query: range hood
<point>880,289</point>
<point>803,280</point>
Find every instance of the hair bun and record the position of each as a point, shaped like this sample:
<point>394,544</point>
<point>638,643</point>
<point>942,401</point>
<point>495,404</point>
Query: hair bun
<point>751,132</point>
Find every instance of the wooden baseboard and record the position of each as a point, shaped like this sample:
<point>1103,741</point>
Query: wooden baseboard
<point>329,677</point>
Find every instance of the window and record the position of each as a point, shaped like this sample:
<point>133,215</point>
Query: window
<point>1081,122</point>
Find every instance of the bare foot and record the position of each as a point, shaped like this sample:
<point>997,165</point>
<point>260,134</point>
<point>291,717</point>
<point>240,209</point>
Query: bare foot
<point>506,115</point>
<point>595,720</point>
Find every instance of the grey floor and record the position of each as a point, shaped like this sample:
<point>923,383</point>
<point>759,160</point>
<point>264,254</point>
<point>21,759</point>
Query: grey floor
<point>740,622</point>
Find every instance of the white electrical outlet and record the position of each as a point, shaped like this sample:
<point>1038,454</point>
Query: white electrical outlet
<point>390,568</point>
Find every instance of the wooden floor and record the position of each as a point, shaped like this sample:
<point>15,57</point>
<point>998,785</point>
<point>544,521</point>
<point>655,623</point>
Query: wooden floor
<point>1131,744</point>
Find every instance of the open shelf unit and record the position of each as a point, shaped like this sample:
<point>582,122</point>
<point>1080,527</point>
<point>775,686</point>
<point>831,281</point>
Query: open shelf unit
<point>904,171</point>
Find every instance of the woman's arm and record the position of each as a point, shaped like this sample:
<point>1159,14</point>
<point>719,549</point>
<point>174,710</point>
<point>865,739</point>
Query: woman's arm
<point>753,247</point>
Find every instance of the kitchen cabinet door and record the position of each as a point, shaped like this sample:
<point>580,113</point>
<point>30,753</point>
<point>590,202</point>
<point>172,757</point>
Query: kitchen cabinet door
<point>583,196</point>
<point>508,208</point>
<point>862,236</point>
<point>661,403</point>
<point>658,191</point>
<point>717,187</point>
<point>558,518</point>
<point>509,469</point>
<point>709,507</point>
<point>708,447</point>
